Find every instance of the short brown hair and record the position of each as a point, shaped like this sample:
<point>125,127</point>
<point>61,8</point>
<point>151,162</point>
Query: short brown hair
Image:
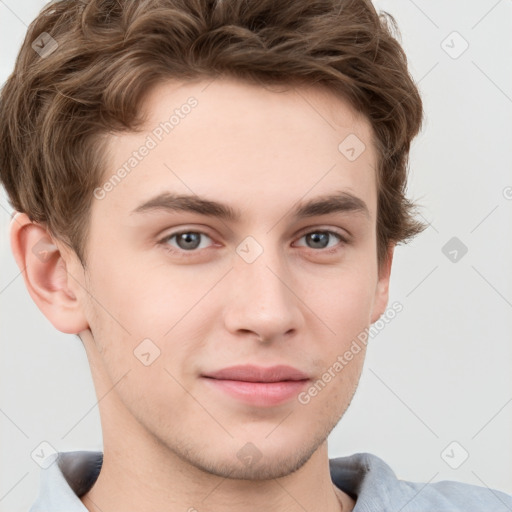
<point>55,110</point>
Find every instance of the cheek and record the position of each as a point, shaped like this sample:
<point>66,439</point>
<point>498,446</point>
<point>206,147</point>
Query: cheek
<point>146,302</point>
<point>343,300</point>
<point>150,316</point>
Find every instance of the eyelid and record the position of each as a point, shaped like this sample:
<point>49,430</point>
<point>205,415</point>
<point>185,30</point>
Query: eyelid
<point>163,240</point>
<point>341,242</point>
<point>342,234</point>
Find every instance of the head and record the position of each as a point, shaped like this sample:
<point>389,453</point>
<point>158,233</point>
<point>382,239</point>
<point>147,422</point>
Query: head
<point>276,134</point>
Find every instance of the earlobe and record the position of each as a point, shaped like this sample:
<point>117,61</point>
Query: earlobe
<point>382,289</point>
<point>46,274</point>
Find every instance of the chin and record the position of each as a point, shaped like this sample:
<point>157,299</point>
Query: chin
<point>260,459</point>
<point>259,467</point>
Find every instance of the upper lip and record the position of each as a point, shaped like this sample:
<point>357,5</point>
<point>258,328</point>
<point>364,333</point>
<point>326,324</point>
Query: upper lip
<point>251,373</point>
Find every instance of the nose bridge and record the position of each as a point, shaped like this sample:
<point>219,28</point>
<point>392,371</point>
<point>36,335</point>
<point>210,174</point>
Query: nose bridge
<point>263,270</point>
<point>263,302</point>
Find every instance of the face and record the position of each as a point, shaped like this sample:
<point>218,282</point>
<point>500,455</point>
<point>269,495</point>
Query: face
<point>241,235</point>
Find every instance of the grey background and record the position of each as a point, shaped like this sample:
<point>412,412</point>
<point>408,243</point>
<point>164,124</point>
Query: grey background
<point>439,372</point>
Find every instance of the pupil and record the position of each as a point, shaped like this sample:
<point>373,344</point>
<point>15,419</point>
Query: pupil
<point>319,240</point>
<point>188,240</point>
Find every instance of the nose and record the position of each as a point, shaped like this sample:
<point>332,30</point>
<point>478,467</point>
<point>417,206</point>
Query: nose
<point>262,301</point>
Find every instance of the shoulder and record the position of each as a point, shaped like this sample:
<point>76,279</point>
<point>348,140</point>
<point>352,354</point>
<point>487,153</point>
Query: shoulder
<point>375,486</point>
<point>65,477</point>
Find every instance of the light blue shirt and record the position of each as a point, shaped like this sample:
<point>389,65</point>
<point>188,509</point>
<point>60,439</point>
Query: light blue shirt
<point>365,477</point>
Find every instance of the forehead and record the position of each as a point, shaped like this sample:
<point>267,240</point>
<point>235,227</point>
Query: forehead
<point>243,142</point>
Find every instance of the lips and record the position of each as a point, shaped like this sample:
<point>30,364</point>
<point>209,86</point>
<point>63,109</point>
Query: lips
<point>258,386</point>
<point>251,373</point>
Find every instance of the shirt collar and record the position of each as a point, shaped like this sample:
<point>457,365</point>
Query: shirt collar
<point>69,475</point>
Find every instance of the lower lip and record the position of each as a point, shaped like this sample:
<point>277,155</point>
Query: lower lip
<point>263,394</point>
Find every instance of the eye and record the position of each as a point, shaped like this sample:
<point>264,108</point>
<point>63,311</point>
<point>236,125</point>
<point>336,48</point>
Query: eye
<point>185,241</point>
<point>322,239</point>
<point>192,241</point>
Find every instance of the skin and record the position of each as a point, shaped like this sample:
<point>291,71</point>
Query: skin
<point>171,442</point>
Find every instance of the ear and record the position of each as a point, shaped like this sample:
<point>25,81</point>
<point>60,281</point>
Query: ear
<point>382,290</point>
<point>45,272</point>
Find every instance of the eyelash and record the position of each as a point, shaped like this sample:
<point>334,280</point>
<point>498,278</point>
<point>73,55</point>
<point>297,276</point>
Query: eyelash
<point>182,252</point>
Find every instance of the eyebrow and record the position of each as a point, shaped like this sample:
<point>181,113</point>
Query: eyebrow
<point>340,202</point>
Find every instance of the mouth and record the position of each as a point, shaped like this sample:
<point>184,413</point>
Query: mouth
<point>258,386</point>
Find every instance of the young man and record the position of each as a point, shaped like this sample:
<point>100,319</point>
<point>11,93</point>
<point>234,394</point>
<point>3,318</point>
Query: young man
<point>209,195</point>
